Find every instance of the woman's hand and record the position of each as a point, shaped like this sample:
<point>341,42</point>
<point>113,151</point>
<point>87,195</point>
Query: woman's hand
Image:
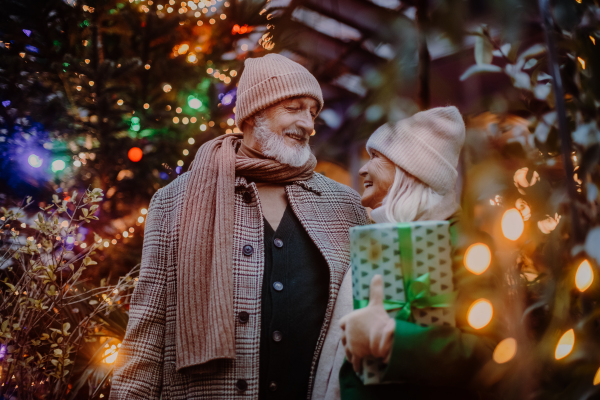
<point>368,331</point>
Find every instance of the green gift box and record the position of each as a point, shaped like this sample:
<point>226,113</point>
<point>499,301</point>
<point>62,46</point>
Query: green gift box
<point>415,260</point>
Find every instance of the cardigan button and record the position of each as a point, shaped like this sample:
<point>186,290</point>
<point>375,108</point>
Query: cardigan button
<point>273,386</point>
<point>247,197</point>
<point>243,317</point>
<point>241,385</point>
<point>278,286</point>
<point>248,250</point>
<point>277,336</point>
<point>278,243</point>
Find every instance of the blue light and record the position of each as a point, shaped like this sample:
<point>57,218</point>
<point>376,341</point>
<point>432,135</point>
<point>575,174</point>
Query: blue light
<point>164,175</point>
<point>6,103</point>
<point>32,49</point>
<point>178,170</point>
<point>27,32</point>
<point>35,161</point>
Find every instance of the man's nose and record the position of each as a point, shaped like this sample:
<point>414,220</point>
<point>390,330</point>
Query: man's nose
<point>306,123</point>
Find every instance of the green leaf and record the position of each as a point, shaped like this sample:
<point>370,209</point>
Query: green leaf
<point>483,50</point>
<point>479,68</point>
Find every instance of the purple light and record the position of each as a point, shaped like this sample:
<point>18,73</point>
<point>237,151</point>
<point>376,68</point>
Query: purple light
<point>178,170</point>
<point>164,175</point>
<point>227,99</point>
<point>32,49</point>
<point>27,32</point>
<point>6,103</point>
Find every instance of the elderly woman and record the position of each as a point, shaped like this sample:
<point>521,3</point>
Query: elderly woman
<point>411,177</point>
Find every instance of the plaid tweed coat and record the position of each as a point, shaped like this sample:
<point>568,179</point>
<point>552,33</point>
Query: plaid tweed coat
<point>145,368</point>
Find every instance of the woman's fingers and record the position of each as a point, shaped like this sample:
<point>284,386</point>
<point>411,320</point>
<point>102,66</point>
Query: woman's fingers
<point>376,291</point>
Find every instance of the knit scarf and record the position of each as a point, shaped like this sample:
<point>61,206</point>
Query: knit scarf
<point>205,330</point>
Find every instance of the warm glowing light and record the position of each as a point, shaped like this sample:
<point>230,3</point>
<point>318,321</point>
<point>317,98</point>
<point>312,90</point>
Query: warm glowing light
<point>125,234</point>
<point>512,224</point>
<point>521,180</point>
<point>91,83</point>
<point>140,219</point>
<point>135,154</point>
<point>480,313</point>
<point>114,241</point>
<point>549,224</point>
<point>478,258</point>
<point>202,127</point>
<point>120,102</point>
<point>523,208</point>
<point>144,211</point>
<point>233,72</point>
<point>186,152</point>
<point>167,88</point>
<point>191,58</point>
<point>183,48</point>
<point>565,344</point>
<point>244,47</point>
<point>193,120</point>
<point>106,244</point>
<point>180,163</point>
<point>77,163</point>
<point>209,71</point>
<point>505,350</point>
<point>146,106</point>
<point>582,62</point>
<point>185,120</point>
<point>191,141</point>
<point>178,110</point>
<point>83,245</point>
<point>132,229</point>
<point>593,40</point>
<point>110,355</point>
<point>87,60</point>
<point>176,120</point>
<point>230,122</point>
<point>78,88</point>
<point>597,377</point>
<point>584,276</point>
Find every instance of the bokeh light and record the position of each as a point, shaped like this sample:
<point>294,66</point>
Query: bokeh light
<point>584,276</point>
<point>512,224</point>
<point>35,161</point>
<point>478,258</point>
<point>565,344</point>
<point>135,154</point>
<point>480,313</point>
<point>58,165</point>
<point>505,351</point>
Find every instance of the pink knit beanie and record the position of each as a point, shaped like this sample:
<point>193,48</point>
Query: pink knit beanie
<point>270,79</point>
<point>426,145</point>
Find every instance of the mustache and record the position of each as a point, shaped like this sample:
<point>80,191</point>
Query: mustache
<point>296,131</point>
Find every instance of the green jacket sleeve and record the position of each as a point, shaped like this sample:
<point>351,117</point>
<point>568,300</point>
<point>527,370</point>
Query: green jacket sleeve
<point>436,355</point>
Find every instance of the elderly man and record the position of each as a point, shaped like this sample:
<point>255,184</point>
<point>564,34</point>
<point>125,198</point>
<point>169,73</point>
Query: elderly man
<point>243,259</point>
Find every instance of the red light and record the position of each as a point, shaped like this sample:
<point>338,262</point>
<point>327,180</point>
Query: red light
<point>236,29</point>
<point>135,154</point>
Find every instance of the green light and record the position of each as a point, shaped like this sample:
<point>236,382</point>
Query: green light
<point>135,128</point>
<point>135,120</point>
<point>194,103</point>
<point>58,165</point>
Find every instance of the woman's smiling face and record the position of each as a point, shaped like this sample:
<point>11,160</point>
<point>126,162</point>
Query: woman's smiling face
<point>378,173</point>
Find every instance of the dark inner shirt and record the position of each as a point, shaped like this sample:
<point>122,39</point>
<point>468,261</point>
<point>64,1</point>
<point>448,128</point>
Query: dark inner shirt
<point>295,292</point>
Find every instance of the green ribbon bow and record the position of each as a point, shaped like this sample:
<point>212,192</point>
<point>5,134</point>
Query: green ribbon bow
<point>417,290</point>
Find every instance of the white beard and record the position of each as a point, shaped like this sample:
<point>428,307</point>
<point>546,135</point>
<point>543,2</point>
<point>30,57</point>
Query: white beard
<point>274,145</point>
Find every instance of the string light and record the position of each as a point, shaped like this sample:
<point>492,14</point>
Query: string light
<point>582,62</point>
<point>597,377</point>
<point>505,351</point>
<point>584,276</point>
<point>512,224</point>
<point>480,313</point>
<point>191,141</point>
<point>146,106</point>
<point>167,88</point>
<point>565,344</point>
<point>478,258</point>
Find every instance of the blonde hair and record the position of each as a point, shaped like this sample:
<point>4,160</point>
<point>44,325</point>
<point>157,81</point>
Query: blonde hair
<point>409,199</point>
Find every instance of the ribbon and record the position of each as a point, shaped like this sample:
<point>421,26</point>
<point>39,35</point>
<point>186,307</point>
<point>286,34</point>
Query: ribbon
<point>417,290</point>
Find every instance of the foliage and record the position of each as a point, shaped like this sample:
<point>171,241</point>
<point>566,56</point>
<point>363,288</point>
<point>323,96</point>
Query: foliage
<point>84,82</point>
<point>53,323</point>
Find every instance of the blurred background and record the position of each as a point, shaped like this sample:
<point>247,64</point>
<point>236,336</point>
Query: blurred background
<point>103,102</point>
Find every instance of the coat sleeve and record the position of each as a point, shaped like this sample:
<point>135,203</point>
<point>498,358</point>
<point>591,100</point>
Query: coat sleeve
<point>139,367</point>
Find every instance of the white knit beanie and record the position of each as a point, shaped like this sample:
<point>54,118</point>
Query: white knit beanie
<point>270,79</point>
<point>426,145</point>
